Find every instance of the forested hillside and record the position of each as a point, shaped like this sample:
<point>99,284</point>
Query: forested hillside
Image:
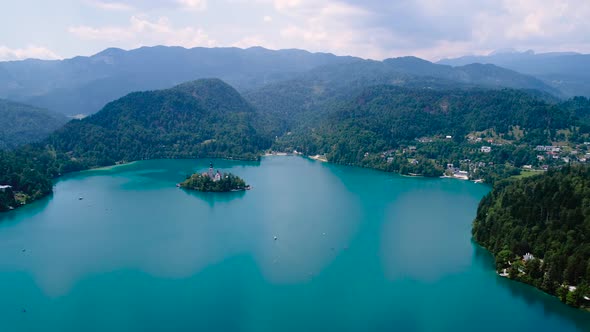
<point>205,118</point>
<point>21,124</point>
<point>373,127</point>
<point>312,94</point>
<point>547,216</point>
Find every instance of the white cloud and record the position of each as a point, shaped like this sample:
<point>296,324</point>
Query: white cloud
<point>29,52</point>
<point>287,4</point>
<point>143,32</point>
<point>148,5</point>
<point>433,28</point>
<point>112,6</point>
<point>326,26</point>
<point>193,4</point>
<point>370,28</point>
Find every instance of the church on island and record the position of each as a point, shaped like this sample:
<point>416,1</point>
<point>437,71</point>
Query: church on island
<point>214,181</point>
<point>212,174</point>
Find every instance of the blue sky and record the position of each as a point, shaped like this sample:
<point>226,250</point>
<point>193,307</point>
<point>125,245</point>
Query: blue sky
<point>430,29</point>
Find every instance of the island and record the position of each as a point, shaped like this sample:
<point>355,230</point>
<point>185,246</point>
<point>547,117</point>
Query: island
<point>214,181</point>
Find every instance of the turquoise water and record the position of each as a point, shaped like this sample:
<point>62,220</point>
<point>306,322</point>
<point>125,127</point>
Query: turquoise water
<point>356,250</point>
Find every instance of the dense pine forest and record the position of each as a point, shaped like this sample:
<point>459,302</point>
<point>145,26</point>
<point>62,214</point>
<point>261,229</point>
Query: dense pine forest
<point>547,216</point>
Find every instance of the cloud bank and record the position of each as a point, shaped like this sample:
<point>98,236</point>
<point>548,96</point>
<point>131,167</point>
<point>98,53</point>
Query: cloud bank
<point>377,29</point>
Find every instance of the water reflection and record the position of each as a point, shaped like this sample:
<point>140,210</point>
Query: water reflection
<point>33,209</point>
<point>533,297</point>
<point>356,250</point>
<point>482,258</point>
<point>213,198</point>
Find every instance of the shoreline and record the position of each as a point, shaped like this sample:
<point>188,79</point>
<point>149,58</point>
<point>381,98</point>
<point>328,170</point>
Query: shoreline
<point>318,157</point>
<point>106,168</point>
<point>411,175</point>
<point>518,280</point>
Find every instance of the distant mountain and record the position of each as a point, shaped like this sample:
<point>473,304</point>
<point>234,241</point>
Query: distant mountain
<point>204,118</point>
<point>21,124</point>
<point>474,74</point>
<point>85,84</point>
<point>566,71</point>
<point>289,101</point>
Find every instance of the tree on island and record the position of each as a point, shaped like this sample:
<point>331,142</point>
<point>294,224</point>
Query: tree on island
<point>214,181</point>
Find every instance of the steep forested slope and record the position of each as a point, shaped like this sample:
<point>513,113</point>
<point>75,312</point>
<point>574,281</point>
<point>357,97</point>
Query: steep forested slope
<point>21,124</point>
<point>547,216</point>
<point>195,119</point>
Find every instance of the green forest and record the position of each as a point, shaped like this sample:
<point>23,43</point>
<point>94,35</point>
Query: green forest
<point>547,216</point>
<point>367,127</point>
<point>22,124</point>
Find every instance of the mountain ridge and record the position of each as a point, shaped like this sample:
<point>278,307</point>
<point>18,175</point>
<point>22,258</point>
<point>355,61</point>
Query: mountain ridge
<point>566,71</point>
<point>84,84</point>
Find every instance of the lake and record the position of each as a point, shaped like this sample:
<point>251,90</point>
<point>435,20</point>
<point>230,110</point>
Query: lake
<point>356,250</point>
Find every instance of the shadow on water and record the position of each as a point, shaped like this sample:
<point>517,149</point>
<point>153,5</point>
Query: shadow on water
<point>482,257</point>
<point>32,209</point>
<point>213,197</point>
<point>529,294</point>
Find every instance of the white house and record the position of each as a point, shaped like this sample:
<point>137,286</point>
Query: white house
<point>528,256</point>
<point>486,149</point>
<point>3,187</point>
<point>463,175</point>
